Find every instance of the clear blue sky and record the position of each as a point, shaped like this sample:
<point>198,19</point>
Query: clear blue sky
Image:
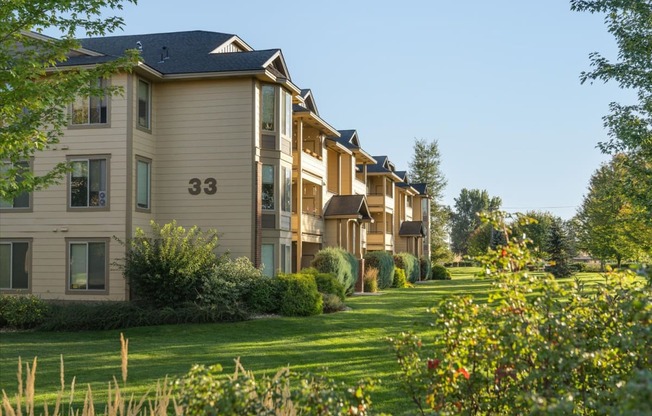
<point>495,82</point>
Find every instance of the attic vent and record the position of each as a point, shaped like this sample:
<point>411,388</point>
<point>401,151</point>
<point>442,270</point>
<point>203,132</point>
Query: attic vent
<point>231,47</point>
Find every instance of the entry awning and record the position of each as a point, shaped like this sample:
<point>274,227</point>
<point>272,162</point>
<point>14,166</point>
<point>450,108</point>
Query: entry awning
<point>348,207</point>
<point>412,229</point>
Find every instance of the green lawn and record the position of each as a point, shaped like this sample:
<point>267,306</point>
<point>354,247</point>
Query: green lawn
<point>351,345</point>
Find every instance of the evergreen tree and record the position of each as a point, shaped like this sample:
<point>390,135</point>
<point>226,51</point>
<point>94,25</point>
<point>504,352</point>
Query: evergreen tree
<point>559,250</point>
<point>425,167</point>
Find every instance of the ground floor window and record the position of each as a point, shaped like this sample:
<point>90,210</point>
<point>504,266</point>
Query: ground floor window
<point>268,259</point>
<point>87,264</point>
<point>14,265</point>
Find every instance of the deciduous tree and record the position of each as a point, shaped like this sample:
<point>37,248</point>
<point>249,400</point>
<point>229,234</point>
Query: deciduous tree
<point>34,91</point>
<point>465,220</point>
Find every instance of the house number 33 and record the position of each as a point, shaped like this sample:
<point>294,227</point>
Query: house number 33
<point>210,186</point>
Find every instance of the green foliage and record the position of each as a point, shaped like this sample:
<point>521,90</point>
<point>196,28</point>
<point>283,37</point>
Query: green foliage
<point>229,288</point>
<point>537,231</point>
<point>536,347</point>
<point>465,219</point>
<point>204,391</point>
<point>332,303</point>
<point>34,99</point>
<point>265,296</point>
<point>426,268</point>
<point>384,262</point>
<point>172,266</point>
<point>410,264</point>
<point>326,282</point>
<point>22,311</point>
<point>299,295</point>
<point>400,281</point>
<point>339,262</point>
<point>558,249</point>
<point>440,272</point>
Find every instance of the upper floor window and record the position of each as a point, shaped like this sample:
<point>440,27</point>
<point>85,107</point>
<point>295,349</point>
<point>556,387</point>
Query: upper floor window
<point>143,183</point>
<point>286,113</point>
<point>268,187</point>
<point>287,190</point>
<point>21,201</point>
<point>89,183</point>
<point>144,104</point>
<point>268,107</point>
<point>91,109</point>
<point>14,265</point>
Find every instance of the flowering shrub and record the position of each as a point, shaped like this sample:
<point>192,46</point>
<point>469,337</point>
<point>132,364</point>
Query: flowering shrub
<point>537,346</point>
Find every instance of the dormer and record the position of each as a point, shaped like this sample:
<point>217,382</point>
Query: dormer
<point>235,44</point>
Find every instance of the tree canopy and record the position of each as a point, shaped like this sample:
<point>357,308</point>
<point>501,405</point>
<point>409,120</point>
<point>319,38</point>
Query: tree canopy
<point>465,219</point>
<point>34,92</point>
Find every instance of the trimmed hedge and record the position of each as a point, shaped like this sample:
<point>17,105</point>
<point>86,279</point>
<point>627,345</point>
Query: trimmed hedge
<point>327,283</point>
<point>426,268</point>
<point>384,262</point>
<point>440,272</point>
<point>299,295</point>
<point>410,264</point>
<point>339,262</point>
<point>22,312</point>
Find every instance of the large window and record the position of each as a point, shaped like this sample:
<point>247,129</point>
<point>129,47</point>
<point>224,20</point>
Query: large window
<point>143,183</point>
<point>87,265</point>
<point>286,198</point>
<point>21,201</point>
<point>144,104</point>
<point>14,265</point>
<point>89,183</point>
<point>267,251</point>
<point>92,109</point>
<point>286,114</point>
<point>268,187</point>
<point>268,107</point>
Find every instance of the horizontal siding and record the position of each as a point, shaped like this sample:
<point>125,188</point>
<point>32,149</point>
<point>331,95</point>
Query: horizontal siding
<point>203,130</point>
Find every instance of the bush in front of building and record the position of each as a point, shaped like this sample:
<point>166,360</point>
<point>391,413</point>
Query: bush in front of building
<point>371,280</point>
<point>340,263</point>
<point>299,295</point>
<point>440,272</point>
<point>410,264</point>
<point>384,262</point>
<point>229,287</point>
<point>426,268</point>
<point>170,266</point>
<point>22,311</point>
<point>400,280</point>
<point>265,296</point>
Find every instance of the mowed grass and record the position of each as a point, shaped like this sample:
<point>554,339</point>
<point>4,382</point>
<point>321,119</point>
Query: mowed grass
<point>346,346</point>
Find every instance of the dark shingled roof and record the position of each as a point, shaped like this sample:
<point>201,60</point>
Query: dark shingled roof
<point>420,187</point>
<point>345,139</point>
<point>378,167</point>
<point>188,52</point>
<point>348,206</point>
<point>412,229</point>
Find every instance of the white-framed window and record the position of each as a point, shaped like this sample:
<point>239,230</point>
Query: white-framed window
<point>88,265</point>
<point>286,197</point>
<point>92,109</point>
<point>88,183</point>
<point>19,202</point>
<point>143,183</point>
<point>15,264</point>
<point>268,187</point>
<point>144,104</point>
<point>286,113</point>
<point>268,107</point>
<point>267,254</point>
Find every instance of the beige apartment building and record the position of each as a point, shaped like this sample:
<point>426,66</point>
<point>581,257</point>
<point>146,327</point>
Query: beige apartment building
<point>208,132</point>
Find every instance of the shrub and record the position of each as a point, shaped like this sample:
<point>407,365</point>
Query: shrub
<point>332,303</point>
<point>340,263</point>
<point>384,262</point>
<point>22,311</point>
<point>205,391</point>
<point>440,272</point>
<point>228,289</point>
<point>265,296</point>
<point>410,264</point>
<point>170,267</point>
<point>371,280</point>
<point>400,280</point>
<point>299,295</point>
<point>426,268</point>
<point>326,282</point>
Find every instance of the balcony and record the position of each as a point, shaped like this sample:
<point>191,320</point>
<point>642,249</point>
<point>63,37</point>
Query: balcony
<point>376,201</point>
<point>311,224</point>
<point>379,241</point>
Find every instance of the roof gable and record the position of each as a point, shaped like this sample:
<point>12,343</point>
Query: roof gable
<point>309,100</point>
